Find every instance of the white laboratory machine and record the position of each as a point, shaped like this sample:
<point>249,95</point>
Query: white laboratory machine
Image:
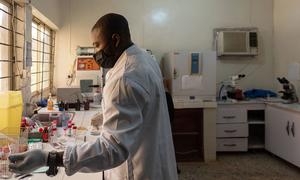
<point>89,78</point>
<point>191,77</point>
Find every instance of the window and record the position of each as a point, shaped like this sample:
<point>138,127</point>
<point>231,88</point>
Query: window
<point>11,45</point>
<point>42,56</point>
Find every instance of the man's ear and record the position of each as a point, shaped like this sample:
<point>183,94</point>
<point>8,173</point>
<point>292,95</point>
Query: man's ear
<point>116,39</point>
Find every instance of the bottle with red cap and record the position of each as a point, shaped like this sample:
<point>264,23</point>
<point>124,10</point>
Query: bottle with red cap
<point>69,131</point>
<point>45,135</point>
<point>74,130</point>
<point>41,131</point>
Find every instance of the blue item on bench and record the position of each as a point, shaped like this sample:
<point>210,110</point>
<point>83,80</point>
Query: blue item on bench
<point>43,103</point>
<point>259,93</point>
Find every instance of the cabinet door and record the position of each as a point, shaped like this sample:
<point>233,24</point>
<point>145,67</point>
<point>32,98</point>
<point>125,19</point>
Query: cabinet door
<point>294,149</point>
<point>277,132</point>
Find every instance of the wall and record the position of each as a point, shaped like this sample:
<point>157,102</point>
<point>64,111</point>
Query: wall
<point>172,25</point>
<point>286,36</point>
<point>49,11</point>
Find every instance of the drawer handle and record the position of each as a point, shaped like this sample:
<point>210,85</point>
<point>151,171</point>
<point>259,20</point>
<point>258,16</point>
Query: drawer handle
<point>229,117</point>
<point>230,131</point>
<point>230,145</point>
<point>288,128</point>
<point>293,129</point>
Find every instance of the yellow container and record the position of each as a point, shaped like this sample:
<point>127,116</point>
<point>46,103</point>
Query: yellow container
<point>11,106</point>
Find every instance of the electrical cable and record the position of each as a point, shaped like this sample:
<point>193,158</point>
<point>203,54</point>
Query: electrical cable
<point>71,77</point>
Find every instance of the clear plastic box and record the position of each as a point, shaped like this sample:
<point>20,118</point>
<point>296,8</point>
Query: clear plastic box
<point>11,144</point>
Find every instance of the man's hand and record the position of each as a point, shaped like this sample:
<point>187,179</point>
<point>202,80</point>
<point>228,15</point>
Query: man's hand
<point>27,162</point>
<point>97,120</point>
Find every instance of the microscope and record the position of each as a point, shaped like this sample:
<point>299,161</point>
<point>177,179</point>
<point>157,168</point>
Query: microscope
<point>229,90</point>
<point>289,91</point>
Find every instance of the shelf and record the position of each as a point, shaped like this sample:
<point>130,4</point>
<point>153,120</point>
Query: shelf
<point>256,142</point>
<point>256,119</point>
<point>254,116</point>
<point>256,122</point>
<point>256,146</point>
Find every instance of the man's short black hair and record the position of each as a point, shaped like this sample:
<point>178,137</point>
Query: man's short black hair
<point>113,24</point>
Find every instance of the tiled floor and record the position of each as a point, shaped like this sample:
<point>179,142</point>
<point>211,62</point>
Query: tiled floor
<point>241,166</point>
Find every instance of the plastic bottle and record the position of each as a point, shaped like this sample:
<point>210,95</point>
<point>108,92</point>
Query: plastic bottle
<point>64,119</point>
<point>69,131</point>
<point>74,130</point>
<point>50,103</point>
<point>45,134</point>
<point>97,97</point>
<point>77,106</point>
<point>61,106</point>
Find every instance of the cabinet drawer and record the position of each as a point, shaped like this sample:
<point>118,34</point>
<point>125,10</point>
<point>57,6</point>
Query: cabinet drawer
<point>231,115</point>
<point>188,120</point>
<point>232,130</point>
<point>232,144</point>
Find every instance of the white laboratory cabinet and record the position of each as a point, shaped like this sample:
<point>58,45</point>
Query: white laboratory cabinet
<point>282,133</point>
<point>240,126</point>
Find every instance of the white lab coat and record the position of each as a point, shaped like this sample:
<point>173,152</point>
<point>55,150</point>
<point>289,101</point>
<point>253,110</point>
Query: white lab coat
<point>136,141</point>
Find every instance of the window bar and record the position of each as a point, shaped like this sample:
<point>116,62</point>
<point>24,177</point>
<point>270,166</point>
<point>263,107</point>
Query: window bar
<point>39,82</point>
<point>10,14</point>
<point>41,31</point>
<point>41,42</point>
<point>39,72</point>
<point>34,50</point>
<point>11,20</point>
<point>52,42</point>
<point>10,45</point>
<point>11,30</point>
<point>43,56</point>
<point>7,60</point>
<point>5,77</point>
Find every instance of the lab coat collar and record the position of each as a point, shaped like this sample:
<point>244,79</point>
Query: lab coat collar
<point>129,51</point>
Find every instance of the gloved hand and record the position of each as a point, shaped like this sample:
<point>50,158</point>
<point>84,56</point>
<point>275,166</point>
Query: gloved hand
<point>29,161</point>
<point>97,120</point>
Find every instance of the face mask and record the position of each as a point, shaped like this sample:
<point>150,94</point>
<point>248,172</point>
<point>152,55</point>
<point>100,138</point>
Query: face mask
<point>104,59</point>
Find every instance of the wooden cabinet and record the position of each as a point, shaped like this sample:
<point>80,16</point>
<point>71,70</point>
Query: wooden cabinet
<point>187,131</point>
<point>282,134</point>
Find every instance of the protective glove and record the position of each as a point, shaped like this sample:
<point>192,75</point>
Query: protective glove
<point>29,161</point>
<point>97,120</point>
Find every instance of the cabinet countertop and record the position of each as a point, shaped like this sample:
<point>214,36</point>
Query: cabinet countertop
<point>251,101</point>
<point>275,102</point>
<point>295,107</point>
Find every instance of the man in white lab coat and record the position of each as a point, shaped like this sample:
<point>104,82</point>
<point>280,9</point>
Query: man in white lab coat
<point>136,140</point>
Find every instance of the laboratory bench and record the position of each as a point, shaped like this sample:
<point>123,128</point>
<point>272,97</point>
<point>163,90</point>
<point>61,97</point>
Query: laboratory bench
<point>81,119</point>
<point>196,132</point>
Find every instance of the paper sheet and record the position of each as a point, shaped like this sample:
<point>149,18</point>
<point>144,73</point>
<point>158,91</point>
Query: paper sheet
<point>294,71</point>
<point>191,82</point>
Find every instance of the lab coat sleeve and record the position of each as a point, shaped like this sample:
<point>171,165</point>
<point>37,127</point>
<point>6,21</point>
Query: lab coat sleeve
<point>120,135</point>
